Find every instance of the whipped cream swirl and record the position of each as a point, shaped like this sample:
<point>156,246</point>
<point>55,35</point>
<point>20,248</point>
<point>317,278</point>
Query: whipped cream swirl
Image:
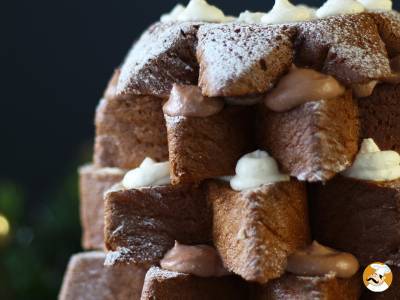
<point>250,17</point>
<point>196,11</point>
<point>173,15</point>
<point>255,169</point>
<point>285,12</point>
<point>339,7</point>
<point>373,164</point>
<point>377,5</point>
<point>149,173</point>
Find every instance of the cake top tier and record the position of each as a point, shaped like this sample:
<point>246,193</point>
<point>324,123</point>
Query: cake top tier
<point>228,57</point>
<point>282,12</point>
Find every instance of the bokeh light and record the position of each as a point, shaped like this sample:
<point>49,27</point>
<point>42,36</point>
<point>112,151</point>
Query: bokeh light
<point>4,226</point>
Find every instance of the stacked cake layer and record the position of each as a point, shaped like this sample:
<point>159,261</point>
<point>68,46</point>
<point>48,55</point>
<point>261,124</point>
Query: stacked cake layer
<point>223,149</point>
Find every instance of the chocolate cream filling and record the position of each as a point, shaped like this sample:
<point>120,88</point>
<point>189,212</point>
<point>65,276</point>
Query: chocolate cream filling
<point>318,260</point>
<point>366,89</point>
<point>297,87</point>
<point>187,101</point>
<point>300,86</point>
<point>200,260</point>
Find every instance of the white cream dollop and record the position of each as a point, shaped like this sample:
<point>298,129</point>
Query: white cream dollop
<point>285,12</point>
<point>377,5</point>
<point>200,10</point>
<point>149,173</point>
<point>339,7</point>
<point>255,169</point>
<point>250,17</point>
<point>373,164</point>
<point>172,16</point>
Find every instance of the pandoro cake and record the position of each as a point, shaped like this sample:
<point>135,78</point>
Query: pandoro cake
<point>225,145</point>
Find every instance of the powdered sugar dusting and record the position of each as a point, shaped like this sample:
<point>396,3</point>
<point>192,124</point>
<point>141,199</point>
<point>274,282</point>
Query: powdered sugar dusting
<point>173,121</point>
<point>394,19</point>
<point>90,169</point>
<point>237,59</point>
<point>158,273</point>
<point>356,52</point>
<point>389,27</point>
<point>322,166</point>
<point>116,256</point>
<point>163,55</point>
<point>87,279</point>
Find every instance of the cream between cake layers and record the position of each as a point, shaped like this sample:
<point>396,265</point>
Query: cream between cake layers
<point>218,134</point>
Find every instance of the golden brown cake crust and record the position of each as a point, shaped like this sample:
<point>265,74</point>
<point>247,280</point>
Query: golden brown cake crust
<point>314,141</point>
<point>209,147</point>
<point>128,129</point>
<point>254,231</point>
<point>142,225</point>
<point>93,182</point>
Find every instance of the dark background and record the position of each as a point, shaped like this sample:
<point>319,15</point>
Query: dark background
<point>57,57</point>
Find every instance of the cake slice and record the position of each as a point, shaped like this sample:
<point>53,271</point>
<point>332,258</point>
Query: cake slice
<point>88,279</point>
<point>204,146</point>
<point>143,224</point>
<point>128,129</point>
<point>380,115</point>
<point>335,46</point>
<point>313,141</point>
<point>162,284</point>
<point>358,211</point>
<point>93,183</point>
<point>257,229</point>
<point>164,54</point>
<point>238,60</point>
<point>389,29</point>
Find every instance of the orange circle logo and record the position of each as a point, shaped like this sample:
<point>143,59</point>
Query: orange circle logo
<point>377,277</point>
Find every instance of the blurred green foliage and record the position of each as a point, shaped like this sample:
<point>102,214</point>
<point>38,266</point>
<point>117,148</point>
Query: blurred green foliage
<point>34,255</point>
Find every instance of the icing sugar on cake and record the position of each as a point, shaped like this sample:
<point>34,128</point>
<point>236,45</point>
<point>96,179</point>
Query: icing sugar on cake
<point>240,59</point>
<point>351,57</point>
<point>164,54</point>
<point>156,272</point>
